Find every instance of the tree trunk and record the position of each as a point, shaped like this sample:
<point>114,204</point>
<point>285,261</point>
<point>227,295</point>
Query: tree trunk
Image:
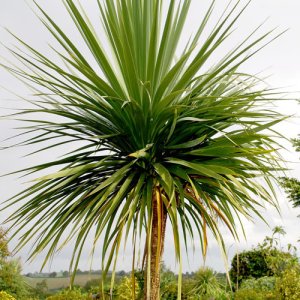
<point>157,246</point>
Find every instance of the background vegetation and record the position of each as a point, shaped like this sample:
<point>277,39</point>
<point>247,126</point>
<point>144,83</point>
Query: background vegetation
<point>265,272</point>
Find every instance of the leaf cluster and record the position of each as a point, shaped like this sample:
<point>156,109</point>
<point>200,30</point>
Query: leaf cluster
<point>292,188</point>
<point>6,296</point>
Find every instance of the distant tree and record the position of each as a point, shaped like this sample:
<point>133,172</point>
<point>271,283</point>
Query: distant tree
<point>249,264</point>
<point>41,289</point>
<point>65,273</point>
<point>53,275</point>
<point>121,273</point>
<point>267,259</point>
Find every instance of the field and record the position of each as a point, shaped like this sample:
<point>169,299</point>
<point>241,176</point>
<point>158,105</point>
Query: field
<point>61,282</point>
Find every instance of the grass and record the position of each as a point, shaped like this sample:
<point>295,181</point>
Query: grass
<point>62,282</point>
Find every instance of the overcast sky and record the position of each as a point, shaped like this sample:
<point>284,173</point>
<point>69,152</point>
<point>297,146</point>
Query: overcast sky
<point>281,60</point>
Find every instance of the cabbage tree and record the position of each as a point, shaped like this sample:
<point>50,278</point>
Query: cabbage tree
<point>158,132</point>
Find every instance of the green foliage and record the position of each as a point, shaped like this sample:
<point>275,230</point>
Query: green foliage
<point>285,284</point>
<point>74,294</point>
<point>140,279</point>
<point>169,291</point>
<point>249,264</point>
<point>250,294</point>
<point>187,286</point>
<point>277,259</point>
<point>12,281</point>
<point>6,296</point>
<point>267,259</point>
<point>4,253</point>
<point>257,289</point>
<point>292,188</point>
<point>168,285</point>
<point>128,289</point>
<point>261,284</point>
<point>292,185</point>
<point>93,285</point>
<point>144,119</point>
<point>41,289</point>
<point>288,285</point>
<point>260,262</point>
<point>206,286</point>
<point>284,287</point>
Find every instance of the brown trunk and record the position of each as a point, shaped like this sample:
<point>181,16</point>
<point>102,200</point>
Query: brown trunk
<point>157,246</point>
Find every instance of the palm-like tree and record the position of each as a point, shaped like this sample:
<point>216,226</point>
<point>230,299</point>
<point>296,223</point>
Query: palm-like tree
<point>206,285</point>
<point>161,137</point>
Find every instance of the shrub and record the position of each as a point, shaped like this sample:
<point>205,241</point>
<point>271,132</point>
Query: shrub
<point>74,294</point>
<point>140,278</point>
<point>279,261</point>
<point>207,286</point>
<point>41,289</point>
<point>11,279</point>
<point>125,289</point>
<point>259,263</point>
<point>187,287</point>
<point>168,285</point>
<point>169,291</point>
<point>284,287</point>
<point>6,296</point>
<point>92,285</point>
<point>288,285</point>
<point>261,284</point>
<point>251,294</point>
<point>257,289</point>
<point>249,264</point>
